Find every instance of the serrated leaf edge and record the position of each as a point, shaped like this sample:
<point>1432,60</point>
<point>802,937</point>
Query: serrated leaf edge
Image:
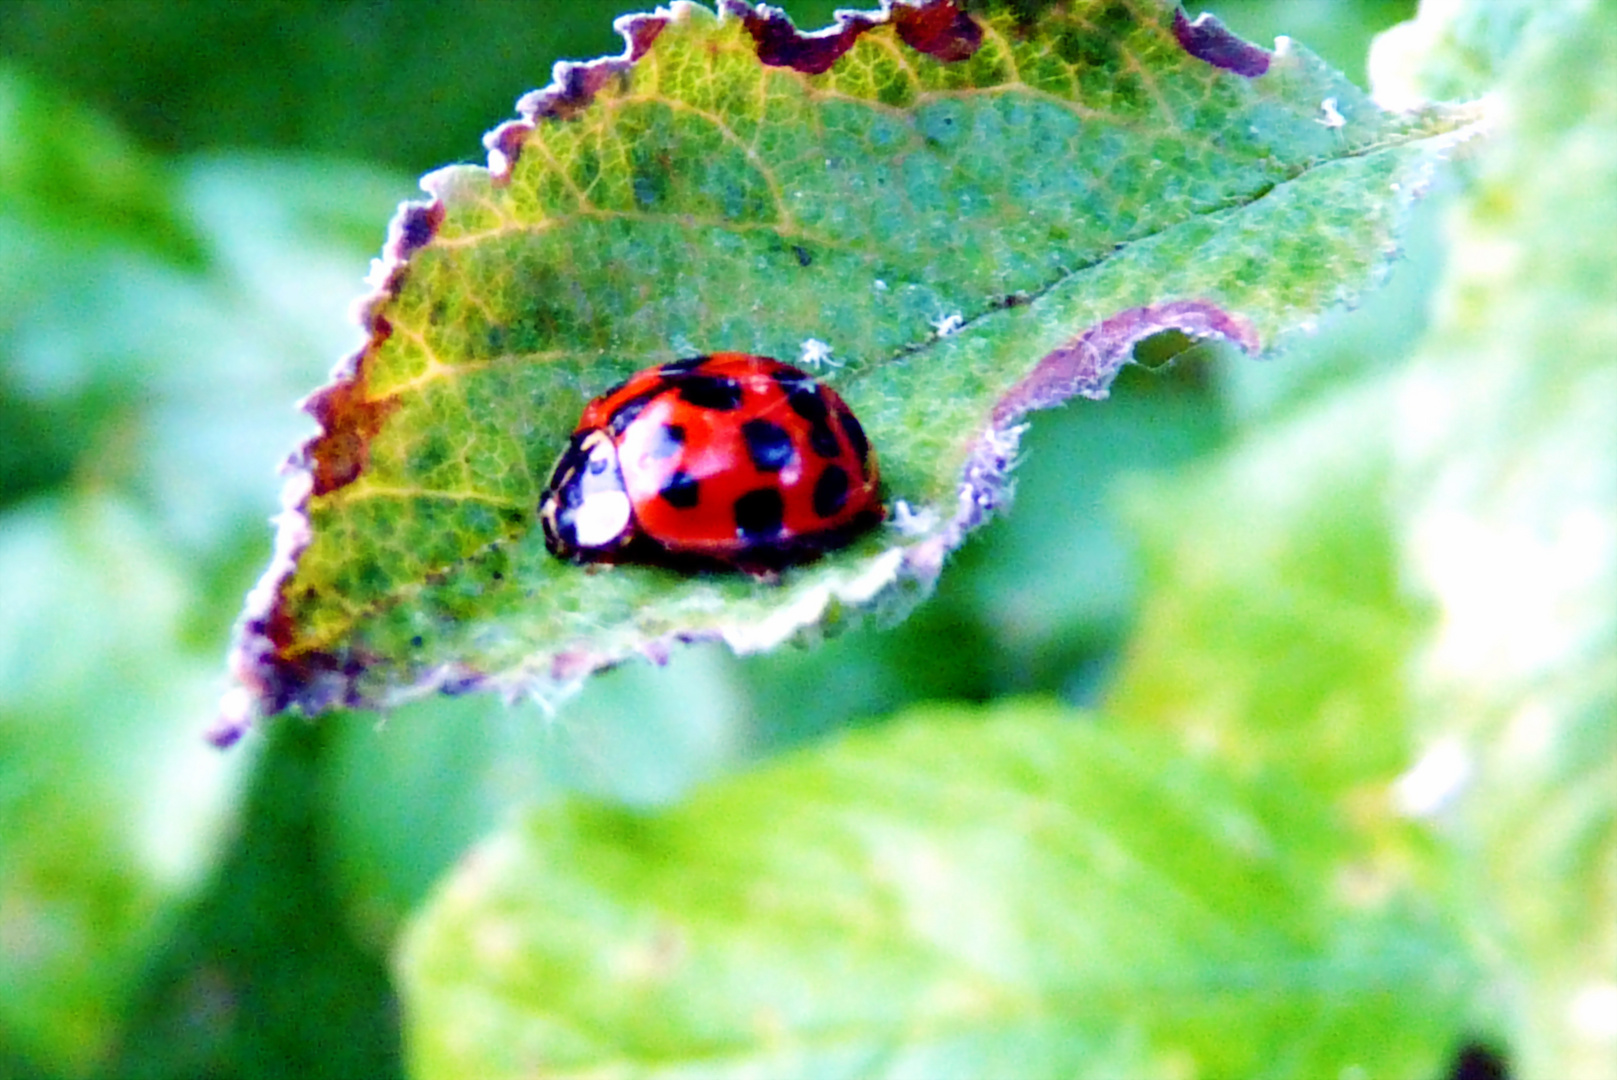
<point>891,582</point>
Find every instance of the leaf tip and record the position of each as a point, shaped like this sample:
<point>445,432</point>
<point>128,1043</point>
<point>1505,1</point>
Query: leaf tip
<point>261,685</point>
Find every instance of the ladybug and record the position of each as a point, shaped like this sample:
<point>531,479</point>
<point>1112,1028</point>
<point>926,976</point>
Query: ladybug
<point>730,460</point>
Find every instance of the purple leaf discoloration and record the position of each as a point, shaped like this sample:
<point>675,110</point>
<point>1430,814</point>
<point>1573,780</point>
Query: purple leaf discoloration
<point>937,28</point>
<point>572,87</point>
<point>1084,367</point>
<point>941,30</point>
<point>1207,39</point>
<point>782,44</point>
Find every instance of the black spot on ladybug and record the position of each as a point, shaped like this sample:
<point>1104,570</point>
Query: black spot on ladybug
<point>805,401</point>
<point>627,412</point>
<point>830,491</point>
<point>803,257</point>
<point>856,436</point>
<point>789,379</point>
<point>680,367</point>
<point>769,446</point>
<point>759,514</point>
<point>666,441</point>
<point>681,491</point>
<point>824,440</point>
<point>714,392</point>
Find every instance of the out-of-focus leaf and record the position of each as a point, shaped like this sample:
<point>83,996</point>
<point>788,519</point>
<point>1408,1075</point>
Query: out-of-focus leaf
<point>160,381</point>
<point>172,382</point>
<point>1284,635</point>
<point>640,736</point>
<point>261,977</point>
<point>1509,479</point>
<point>966,892</point>
<point>111,807</point>
<point>351,78</point>
<point>69,171</point>
<point>978,215</point>
<point>74,194</point>
<point>1459,48</point>
<point>1275,635</point>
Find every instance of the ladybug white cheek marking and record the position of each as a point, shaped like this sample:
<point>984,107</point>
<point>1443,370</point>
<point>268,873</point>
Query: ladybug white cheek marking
<point>601,518</point>
<point>603,510</point>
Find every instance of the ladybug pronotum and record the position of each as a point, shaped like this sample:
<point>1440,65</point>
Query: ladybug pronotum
<point>728,459</point>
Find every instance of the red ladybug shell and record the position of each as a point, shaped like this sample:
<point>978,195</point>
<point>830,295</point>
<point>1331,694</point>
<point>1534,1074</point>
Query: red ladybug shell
<point>727,458</point>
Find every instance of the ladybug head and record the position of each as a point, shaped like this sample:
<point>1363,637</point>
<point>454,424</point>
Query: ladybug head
<point>585,509</point>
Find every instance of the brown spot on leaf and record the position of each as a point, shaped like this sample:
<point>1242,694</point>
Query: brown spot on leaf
<point>1208,39</point>
<point>504,145</point>
<point>350,421</point>
<point>940,29</point>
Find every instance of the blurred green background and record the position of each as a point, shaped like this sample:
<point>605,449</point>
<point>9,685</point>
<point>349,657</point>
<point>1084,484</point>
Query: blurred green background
<point>190,193</point>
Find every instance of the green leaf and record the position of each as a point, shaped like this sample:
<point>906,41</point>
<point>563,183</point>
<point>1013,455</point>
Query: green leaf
<point>1276,634</point>
<point>641,735</point>
<point>70,171</point>
<point>965,892</point>
<point>168,375</point>
<point>1509,511</point>
<point>980,216</point>
<point>169,383</point>
<point>1459,49</point>
<point>1418,623</point>
<point>111,807</point>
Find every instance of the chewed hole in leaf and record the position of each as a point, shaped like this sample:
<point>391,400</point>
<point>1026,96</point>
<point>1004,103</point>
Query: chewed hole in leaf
<point>1169,347</point>
<point>969,215</point>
